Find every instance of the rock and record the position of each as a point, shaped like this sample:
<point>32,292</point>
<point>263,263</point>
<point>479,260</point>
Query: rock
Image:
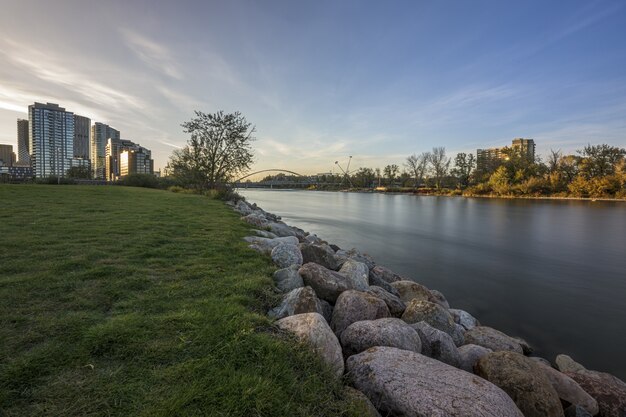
<point>394,303</point>
<point>327,310</point>
<point>464,318</point>
<point>526,347</point>
<point>320,254</point>
<point>266,245</point>
<point>365,406</point>
<point>362,335</point>
<point>409,290</point>
<point>243,208</point>
<point>387,274</point>
<point>437,344</point>
<point>353,306</point>
<point>312,240</point>
<point>281,229</point>
<point>405,383</point>
<point>523,380</point>
<point>607,390</point>
<point>287,279</point>
<point>568,389</point>
<point>265,233</point>
<point>470,354</point>
<point>298,301</point>
<point>492,339</point>
<point>439,298</point>
<point>565,363</point>
<point>256,219</point>
<point>577,411</point>
<point>379,282</point>
<point>433,314</point>
<point>541,361</point>
<point>286,255</point>
<point>458,335</point>
<point>356,273</point>
<point>326,283</point>
<point>311,328</point>
<point>334,247</point>
<point>342,255</point>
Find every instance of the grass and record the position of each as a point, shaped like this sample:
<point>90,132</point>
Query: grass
<point>119,301</point>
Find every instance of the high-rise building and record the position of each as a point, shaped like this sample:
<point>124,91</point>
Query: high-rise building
<point>113,150</point>
<point>100,133</point>
<point>492,157</point>
<point>50,139</point>
<point>526,148</point>
<point>23,152</point>
<point>136,161</point>
<point>82,129</point>
<point>7,156</point>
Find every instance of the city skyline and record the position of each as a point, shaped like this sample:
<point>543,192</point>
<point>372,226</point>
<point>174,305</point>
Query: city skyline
<point>323,81</point>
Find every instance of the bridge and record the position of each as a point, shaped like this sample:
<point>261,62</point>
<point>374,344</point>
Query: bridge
<point>304,182</point>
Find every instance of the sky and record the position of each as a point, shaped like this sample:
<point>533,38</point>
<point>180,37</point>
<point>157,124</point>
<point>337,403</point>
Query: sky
<point>325,80</point>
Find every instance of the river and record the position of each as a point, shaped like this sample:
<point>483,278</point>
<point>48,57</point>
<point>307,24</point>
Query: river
<point>551,272</point>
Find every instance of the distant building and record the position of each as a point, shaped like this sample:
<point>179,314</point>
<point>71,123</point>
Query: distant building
<point>486,158</point>
<point>51,139</point>
<point>100,133</point>
<point>23,151</point>
<point>82,130</point>
<point>113,150</point>
<point>136,161</point>
<point>7,156</point>
<point>526,147</point>
<point>15,173</point>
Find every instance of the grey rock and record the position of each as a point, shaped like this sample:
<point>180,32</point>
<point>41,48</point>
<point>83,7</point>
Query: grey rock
<point>243,208</point>
<point>387,274</point>
<point>379,282</point>
<point>266,245</point>
<point>298,301</point>
<point>327,310</point>
<point>404,383</point>
<point>526,347</point>
<point>285,255</point>
<point>541,360</point>
<point>319,254</point>
<point>492,339</point>
<point>437,344</point>
<point>565,363</point>
<point>433,314</point>
<point>264,233</point>
<point>523,380</point>
<point>281,229</point>
<point>356,273</point>
<point>464,318</point>
<point>607,390</point>
<point>568,389</point>
<point>470,354</point>
<point>311,328</point>
<point>287,279</point>
<point>342,255</point>
<point>257,220</point>
<point>439,298</point>
<point>409,290</point>
<point>313,240</point>
<point>326,283</point>
<point>365,406</point>
<point>577,411</point>
<point>353,306</point>
<point>394,303</point>
<point>362,335</point>
<point>458,334</point>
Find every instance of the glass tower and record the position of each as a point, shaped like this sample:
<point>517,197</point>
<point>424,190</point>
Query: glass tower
<point>51,139</point>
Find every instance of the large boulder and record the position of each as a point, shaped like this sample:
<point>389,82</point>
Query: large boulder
<point>326,283</point>
<point>432,313</point>
<point>343,255</point>
<point>565,363</point>
<point>265,245</point>
<point>264,233</point>
<point>285,255</point>
<point>439,298</point>
<point>470,355</point>
<point>464,318</point>
<point>243,208</point>
<point>375,280</point>
<point>523,380</point>
<point>394,303</point>
<point>404,383</point>
<point>256,219</point>
<point>312,329</point>
<point>409,290</point>
<point>577,411</point>
<point>281,229</point>
<point>362,335</point>
<point>356,273</point>
<point>437,344</point>
<point>319,254</point>
<point>288,279</point>
<point>356,397</point>
<point>353,306</point>
<point>492,339</point>
<point>607,390</point>
<point>298,301</point>
<point>569,390</point>
<point>386,274</point>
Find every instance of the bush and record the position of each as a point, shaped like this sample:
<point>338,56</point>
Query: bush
<point>139,180</point>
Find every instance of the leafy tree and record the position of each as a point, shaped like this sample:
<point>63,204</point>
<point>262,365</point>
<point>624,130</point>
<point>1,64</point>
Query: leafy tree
<point>417,166</point>
<point>439,163</point>
<point>219,150</point>
<point>600,160</point>
<point>464,164</point>
<point>79,173</point>
<point>378,175</point>
<point>499,181</point>
<point>391,172</point>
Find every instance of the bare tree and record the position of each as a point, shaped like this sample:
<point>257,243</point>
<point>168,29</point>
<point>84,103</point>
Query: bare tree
<point>417,166</point>
<point>439,163</point>
<point>553,160</point>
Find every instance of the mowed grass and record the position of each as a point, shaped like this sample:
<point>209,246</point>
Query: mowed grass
<point>120,301</point>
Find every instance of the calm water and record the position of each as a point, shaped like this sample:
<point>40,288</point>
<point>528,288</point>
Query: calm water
<point>552,272</point>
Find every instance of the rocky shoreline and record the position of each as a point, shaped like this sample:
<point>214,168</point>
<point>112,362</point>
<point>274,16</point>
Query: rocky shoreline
<point>400,346</point>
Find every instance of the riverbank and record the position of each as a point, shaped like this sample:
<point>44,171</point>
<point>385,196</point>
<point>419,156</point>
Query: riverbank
<point>348,308</point>
<point>119,301</point>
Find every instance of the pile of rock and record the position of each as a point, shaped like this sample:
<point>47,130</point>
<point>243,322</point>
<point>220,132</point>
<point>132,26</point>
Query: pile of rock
<point>401,345</point>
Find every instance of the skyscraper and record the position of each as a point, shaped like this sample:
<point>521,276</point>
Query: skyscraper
<point>526,148</point>
<point>7,156</point>
<point>82,128</point>
<point>100,133</point>
<point>23,153</point>
<point>51,139</point>
<point>136,161</point>
<point>113,150</point>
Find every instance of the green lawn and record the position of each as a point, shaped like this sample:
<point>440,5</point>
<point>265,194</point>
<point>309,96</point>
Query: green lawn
<point>119,301</point>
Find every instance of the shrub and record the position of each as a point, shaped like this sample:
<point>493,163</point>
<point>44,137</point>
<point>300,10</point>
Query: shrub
<point>139,180</point>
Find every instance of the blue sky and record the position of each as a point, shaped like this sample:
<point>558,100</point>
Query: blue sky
<point>324,80</point>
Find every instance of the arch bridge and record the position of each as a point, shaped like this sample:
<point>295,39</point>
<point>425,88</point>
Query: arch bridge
<point>306,180</point>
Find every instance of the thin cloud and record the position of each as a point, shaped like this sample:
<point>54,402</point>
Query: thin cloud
<point>151,53</point>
